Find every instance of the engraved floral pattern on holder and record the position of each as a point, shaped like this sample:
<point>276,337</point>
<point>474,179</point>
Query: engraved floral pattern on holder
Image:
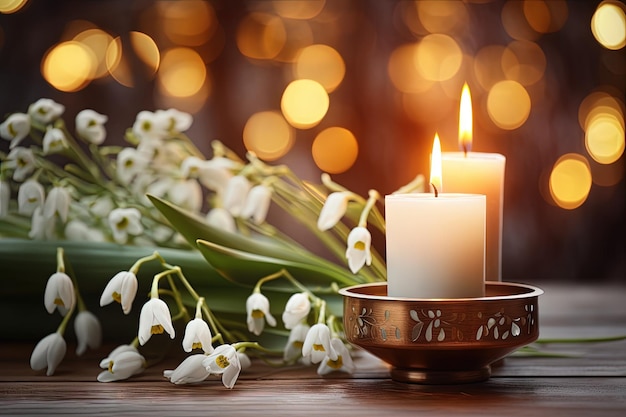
<point>436,324</point>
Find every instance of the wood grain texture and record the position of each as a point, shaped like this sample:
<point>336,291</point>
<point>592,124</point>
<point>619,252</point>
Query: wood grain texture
<point>589,381</point>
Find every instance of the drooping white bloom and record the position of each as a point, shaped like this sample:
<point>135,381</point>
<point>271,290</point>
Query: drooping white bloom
<point>88,331</point>
<point>317,344</point>
<point>197,336</point>
<point>122,363</point>
<point>191,167</point>
<point>57,204</point>
<point>101,207</point>
<point>121,288</point>
<point>175,121</point>
<point>15,128</point>
<point>235,194</point>
<point>297,308</point>
<point>53,141</point>
<point>151,126</point>
<point>5,198</point>
<point>124,222</point>
<point>49,352</point>
<point>90,126</point>
<point>295,342</point>
<point>258,311</point>
<point>45,110</point>
<point>78,231</point>
<point>224,361</point>
<point>154,318</point>
<point>257,203</point>
<point>334,209</point>
<point>358,252</point>
<point>244,360</point>
<point>59,293</point>
<point>130,162</point>
<point>41,227</point>
<point>216,173</point>
<point>186,194</point>
<point>342,363</point>
<point>22,160</point>
<point>30,195</point>
<point>221,218</point>
<point>190,371</point>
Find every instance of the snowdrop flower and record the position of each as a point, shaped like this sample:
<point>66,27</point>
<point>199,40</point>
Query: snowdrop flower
<point>244,360</point>
<point>88,331</point>
<point>224,361</point>
<point>317,344</point>
<point>186,194</point>
<point>41,227</point>
<point>124,222</point>
<point>122,363</point>
<point>130,162</point>
<point>45,110</point>
<point>358,251</point>
<point>30,195</point>
<point>49,352</point>
<point>59,293</point>
<point>297,308</point>
<point>191,167</point>
<point>342,363</point>
<point>122,288</point>
<point>101,207</point>
<point>79,231</point>
<point>15,128</point>
<point>197,336</point>
<point>154,318</point>
<point>216,173</point>
<point>5,197</point>
<point>334,209</point>
<point>190,371</point>
<point>258,309</point>
<point>57,204</point>
<point>53,141</point>
<point>221,218</point>
<point>149,125</point>
<point>297,335</point>
<point>257,203</point>
<point>235,194</point>
<point>23,161</point>
<point>90,126</point>
<point>175,120</point>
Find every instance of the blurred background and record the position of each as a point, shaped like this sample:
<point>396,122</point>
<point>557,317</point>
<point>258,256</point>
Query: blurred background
<point>358,88</point>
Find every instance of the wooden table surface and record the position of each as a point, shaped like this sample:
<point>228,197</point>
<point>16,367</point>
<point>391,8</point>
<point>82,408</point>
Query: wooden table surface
<point>589,381</point>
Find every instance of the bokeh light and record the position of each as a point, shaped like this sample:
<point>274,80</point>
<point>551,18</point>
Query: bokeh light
<point>146,49</point>
<point>438,57</point>
<point>570,181</point>
<point>524,62</point>
<point>261,36</point>
<point>545,16</point>
<point>508,104</point>
<point>188,22</point>
<point>119,58</point>
<point>68,66</point>
<point>321,63</point>
<point>11,6</point>
<point>299,9</point>
<point>268,135</point>
<point>182,72</point>
<point>403,71</point>
<point>304,103</point>
<point>515,23</point>
<point>608,25</point>
<point>335,150</point>
<point>444,16</point>
<point>97,41</point>
<point>488,68</point>
<point>604,138</point>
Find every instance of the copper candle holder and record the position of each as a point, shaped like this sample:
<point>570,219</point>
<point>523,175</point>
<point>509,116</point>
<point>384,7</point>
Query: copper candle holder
<point>441,341</point>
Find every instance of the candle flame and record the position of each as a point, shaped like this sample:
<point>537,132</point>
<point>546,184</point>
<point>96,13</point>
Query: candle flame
<point>435,166</point>
<point>465,120</point>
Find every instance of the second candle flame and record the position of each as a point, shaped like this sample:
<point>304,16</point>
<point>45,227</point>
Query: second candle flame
<point>465,120</point>
<point>435,167</point>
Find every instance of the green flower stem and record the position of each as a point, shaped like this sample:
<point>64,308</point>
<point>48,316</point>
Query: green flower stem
<point>66,266</point>
<point>189,145</point>
<point>65,321</point>
<point>321,304</point>
<point>183,313</point>
<point>79,156</point>
<point>135,268</point>
<point>154,291</point>
<point>199,304</point>
<point>242,346</point>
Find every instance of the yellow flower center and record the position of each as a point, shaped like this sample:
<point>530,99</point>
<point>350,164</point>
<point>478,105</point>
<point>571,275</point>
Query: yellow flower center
<point>157,329</point>
<point>257,314</point>
<point>319,347</point>
<point>59,302</point>
<point>196,345</point>
<point>117,297</point>
<point>297,344</point>
<point>122,224</point>
<point>335,364</point>
<point>222,361</point>
<point>111,366</point>
<point>12,130</point>
<point>359,245</point>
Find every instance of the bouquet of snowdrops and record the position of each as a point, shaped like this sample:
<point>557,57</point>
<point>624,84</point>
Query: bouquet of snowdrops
<point>188,222</point>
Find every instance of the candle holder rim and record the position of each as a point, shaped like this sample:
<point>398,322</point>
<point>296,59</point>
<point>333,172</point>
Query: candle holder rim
<point>529,291</point>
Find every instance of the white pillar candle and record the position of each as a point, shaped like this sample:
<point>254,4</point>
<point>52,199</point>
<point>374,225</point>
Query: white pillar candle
<point>481,173</point>
<point>435,245</point>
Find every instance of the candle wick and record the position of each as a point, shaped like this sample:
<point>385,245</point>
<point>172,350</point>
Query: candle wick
<point>465,149</point>
<point>435,188</point>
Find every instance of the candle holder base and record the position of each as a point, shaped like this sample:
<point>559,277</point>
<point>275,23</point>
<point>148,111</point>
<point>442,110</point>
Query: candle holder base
<point>441,341</point>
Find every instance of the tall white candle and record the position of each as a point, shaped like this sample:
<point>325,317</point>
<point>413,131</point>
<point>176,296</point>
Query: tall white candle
<point>478,173</point>
<point>435,242</point>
